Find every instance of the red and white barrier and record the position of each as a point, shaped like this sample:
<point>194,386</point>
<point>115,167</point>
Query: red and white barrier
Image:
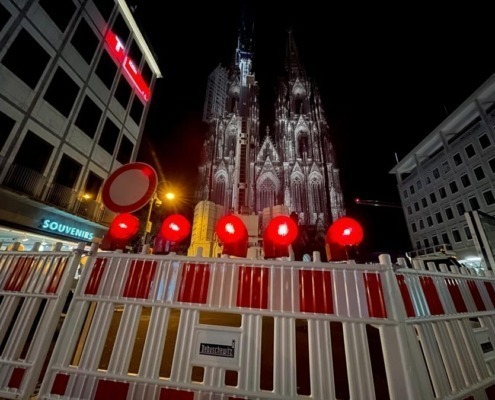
<point>150,327</point>
<point>172,327</point>
<point>33,290</point>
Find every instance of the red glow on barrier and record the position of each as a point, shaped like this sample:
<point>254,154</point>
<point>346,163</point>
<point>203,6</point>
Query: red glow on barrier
<point>282,230</point>
<point>231,229</point>
<point>175,228</point>
<point>345,231</point>
<point>124,226</point>
<point>117,49</point>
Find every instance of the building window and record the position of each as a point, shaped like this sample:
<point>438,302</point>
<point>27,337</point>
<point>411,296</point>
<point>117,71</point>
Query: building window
<point>491,163</point>
<point>106,69</point>
<point>435,241</point>
<point>60,12</point>
<point>121,29</point>
<point>418,245</point>
<point>146,73</point>
<point>411,189</point>
<point>470,152</point>
<point>489,198</point>
<point>457,235</point>
<point>67,172</point>
<point>15,59</point>
<point>135,53</point>
<point>93,185</point>
<point>479,173</point>
<point>34,153</point>
<point>474,204</point>
<point>429,220</point>
<point>467,231</point>
<point>465,180</point>
<point>433,198</point>
<point>123,91</point>
<point>449,213</point>
<point>438,217</point>
<point>427,243</point>
<point>88,118</point>
<point>413,227</point>
<point>445,238</point>
<point>109,136</point>
<point>85,41</point>
<point>461,210</point>
<point>137,109</point>
<point>418,185</point>
<point>404,193</point>
<point>446,166</point>
<point>4,16</point>
<point>416,206</point>
<point>409,210</point>
<point>457,159</point>
<point>453,187</point>
<point>484,141</point>
<point>6,125</point>
<point>105,7</point>
<point>424,203</point>
<point>428,179</point>
<point>436,173</point>
<point>62,92</point>
<point>125,150</point>
<point>442,192</point>
<point>421,224</point>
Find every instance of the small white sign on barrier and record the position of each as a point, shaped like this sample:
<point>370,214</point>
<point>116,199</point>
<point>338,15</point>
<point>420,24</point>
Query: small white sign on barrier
<point>217,347</point>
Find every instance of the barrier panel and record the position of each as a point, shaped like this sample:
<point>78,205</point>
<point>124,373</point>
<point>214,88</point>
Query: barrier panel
<point>170,327</point>
<point>33,290</point>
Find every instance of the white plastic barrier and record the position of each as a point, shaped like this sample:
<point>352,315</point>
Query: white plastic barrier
<point>33,290</point>
<point>170,327</point>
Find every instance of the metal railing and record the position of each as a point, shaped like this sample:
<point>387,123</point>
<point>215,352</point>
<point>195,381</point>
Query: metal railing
<point>30,182</point>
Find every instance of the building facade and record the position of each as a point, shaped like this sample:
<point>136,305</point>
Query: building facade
<point>450,173</point>
<point>76,83</point>
<point>291,164</point>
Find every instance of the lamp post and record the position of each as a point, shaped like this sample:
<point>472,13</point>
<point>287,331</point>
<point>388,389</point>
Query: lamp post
<point>155,201</point>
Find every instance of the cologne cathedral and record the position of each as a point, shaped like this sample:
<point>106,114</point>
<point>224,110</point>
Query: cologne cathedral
<point>289,167</point>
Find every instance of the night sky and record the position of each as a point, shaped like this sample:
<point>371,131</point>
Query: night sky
<point>387,78</point>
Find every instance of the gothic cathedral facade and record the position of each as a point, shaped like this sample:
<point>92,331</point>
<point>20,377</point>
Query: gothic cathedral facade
<point>291,163</point>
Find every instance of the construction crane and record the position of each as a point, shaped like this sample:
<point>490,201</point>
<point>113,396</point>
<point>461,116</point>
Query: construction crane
<point>376,203</point>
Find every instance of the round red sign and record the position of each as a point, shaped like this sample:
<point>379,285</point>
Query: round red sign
<point>129,187</point>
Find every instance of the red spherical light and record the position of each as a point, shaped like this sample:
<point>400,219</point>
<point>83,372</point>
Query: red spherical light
<point>282,230</point>
<point>124,226</point>
<point>175,228</point>
<point>231,229</point>
<point>345,231</point>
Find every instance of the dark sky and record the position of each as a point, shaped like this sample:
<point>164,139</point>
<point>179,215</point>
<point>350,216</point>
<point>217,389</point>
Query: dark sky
<point>387,76</point>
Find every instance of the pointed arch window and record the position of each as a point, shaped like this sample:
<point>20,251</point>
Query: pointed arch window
<point>267,194</point>
<point>219,190</point>
<point>303,145</point>
<point>316,193</point>
<point>297,194</point>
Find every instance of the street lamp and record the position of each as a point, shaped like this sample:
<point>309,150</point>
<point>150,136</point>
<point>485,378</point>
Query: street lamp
<point>156,201</point>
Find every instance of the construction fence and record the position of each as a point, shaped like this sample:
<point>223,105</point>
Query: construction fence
<point>143,326</point>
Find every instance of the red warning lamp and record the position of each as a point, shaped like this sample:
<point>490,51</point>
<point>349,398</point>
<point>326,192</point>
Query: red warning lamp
<point>231,229</point>
<point>124,226</point>
<point>282,230</point>
<point>175,228</point>
<point>345,231</point>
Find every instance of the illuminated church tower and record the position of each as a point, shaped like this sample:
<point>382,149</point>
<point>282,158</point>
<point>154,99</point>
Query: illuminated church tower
<point>290,168</point>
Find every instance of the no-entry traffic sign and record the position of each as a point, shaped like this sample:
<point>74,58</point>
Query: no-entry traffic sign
<point>129,187</point>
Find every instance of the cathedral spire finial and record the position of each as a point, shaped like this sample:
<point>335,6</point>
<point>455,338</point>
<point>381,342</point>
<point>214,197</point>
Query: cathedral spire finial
<point>293,64</point>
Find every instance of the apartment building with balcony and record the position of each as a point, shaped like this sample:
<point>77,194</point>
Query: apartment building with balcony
<point>449,174</point>
<point>76,80</point>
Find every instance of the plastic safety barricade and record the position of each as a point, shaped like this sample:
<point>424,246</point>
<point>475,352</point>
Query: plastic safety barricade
<point>171,327</point>
<point>33,290</point>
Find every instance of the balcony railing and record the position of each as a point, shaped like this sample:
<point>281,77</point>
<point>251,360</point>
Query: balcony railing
<point>29,182</point>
